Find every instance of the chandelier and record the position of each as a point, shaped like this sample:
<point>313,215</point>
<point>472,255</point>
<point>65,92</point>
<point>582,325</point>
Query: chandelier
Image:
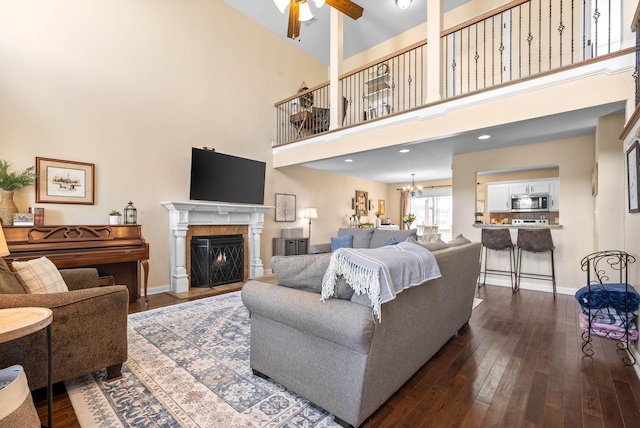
<point>413,189</point>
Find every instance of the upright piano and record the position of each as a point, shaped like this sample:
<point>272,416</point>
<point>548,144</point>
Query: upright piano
<point>117,252</point>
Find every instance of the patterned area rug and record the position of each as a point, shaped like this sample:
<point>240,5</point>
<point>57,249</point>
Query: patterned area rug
<point>188,366</point>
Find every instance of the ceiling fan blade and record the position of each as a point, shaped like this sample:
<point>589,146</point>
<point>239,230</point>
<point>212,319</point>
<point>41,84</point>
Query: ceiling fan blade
<point>347,7</point>
<point>293,30</point>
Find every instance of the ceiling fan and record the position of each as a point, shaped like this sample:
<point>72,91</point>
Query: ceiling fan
<point>299,11</point>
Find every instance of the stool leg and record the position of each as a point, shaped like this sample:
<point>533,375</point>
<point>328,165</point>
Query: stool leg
<point>483,250</point>
<point>553,275</point>
<point>512,262</point>
<point>518,267</point>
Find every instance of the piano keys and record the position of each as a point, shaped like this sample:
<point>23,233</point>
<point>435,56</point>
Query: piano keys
<point>118,252</point>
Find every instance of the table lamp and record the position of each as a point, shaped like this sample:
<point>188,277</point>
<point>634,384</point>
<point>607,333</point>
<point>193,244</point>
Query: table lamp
<point>4,249</point>
<point>311,214</point>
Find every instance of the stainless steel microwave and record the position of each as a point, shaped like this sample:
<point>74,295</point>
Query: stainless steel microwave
<point>529,203</point>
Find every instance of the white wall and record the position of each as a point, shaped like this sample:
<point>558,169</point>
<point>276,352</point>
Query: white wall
<point>574,240</point>
<point>131,86</point>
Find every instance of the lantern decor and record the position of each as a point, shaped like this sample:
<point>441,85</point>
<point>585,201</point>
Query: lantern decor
<point>130,214</point>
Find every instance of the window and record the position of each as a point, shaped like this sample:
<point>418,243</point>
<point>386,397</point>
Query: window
<point>434,207</point>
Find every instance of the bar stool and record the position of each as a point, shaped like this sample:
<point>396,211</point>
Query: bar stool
<point>535,241</point>
<point>497,239</point>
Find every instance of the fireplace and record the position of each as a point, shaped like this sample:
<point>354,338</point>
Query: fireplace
<point>184,217</point>
<point>216,260</point>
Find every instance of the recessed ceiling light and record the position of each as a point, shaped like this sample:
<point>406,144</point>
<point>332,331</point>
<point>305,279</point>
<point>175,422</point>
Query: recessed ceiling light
<point>405,151</point>
<point>348,160</point>
<point>484,137</point>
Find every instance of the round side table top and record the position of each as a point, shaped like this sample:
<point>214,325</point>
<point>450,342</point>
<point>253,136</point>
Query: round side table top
<point>19,322</point>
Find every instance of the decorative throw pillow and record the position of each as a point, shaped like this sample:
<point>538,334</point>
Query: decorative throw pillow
<point>436,245</point>
<point>344,241</point>
<point>391,241</point>
<point>41,276</point>
<point>458,240</point>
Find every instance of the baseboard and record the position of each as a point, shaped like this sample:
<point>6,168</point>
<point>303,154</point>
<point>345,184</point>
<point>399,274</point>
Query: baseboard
<point>532,286</point>
<point>159,289</point>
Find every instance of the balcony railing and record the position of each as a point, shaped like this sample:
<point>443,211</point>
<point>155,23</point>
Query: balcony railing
<point>516,41</point>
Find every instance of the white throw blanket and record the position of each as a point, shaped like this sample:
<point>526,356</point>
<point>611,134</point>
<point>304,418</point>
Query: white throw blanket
<point>382,272</point>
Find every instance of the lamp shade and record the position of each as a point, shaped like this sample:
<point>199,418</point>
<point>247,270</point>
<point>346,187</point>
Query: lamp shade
<point>311,213</point>
<point>319,3</point>
<point>4,249</point>
<point>305,12</point>
<point>281,4</point>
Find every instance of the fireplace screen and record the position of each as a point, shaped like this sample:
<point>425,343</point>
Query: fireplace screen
<point>216,260</point>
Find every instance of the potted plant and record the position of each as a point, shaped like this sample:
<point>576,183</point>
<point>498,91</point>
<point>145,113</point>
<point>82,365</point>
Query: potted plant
<point>10,182</point>
<point>409,219</point>
<point>115,217</point>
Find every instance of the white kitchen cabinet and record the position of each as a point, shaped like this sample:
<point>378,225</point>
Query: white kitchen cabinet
<point>530,187</point>
<point>554,195</point>
<point>499,198</point>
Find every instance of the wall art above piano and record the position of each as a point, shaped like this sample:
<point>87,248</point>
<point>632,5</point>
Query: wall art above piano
<point>64,182</point>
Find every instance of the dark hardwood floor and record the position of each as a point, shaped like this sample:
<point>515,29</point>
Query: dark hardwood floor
<point>517,364</point>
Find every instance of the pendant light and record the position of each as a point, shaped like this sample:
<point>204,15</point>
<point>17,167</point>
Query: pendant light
<point>403,4</point>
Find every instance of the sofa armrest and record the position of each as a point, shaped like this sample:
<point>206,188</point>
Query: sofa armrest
<point>319,248</point>
<point>80,278</point>
<point>336,320</point>
<point>89,333</point>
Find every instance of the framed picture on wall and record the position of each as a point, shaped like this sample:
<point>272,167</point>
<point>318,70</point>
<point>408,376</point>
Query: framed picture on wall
<point>633,171</point>
<point>362,202</point>
<point>64,182</point>
<point>285,207</point>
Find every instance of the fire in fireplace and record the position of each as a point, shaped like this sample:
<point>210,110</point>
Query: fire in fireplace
<point>216,260</point>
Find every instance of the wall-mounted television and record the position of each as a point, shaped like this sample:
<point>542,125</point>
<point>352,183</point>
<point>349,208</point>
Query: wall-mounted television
<point>217,177</point>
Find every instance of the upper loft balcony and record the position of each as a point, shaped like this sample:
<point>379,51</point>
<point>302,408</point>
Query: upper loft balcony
<point>516,48</point>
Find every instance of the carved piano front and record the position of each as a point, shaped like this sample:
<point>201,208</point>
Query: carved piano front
<point>117,252</point>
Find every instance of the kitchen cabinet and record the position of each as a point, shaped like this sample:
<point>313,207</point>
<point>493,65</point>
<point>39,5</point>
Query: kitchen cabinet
<point>554,195</point>
<point>530,187</point>
<point>498,198</point>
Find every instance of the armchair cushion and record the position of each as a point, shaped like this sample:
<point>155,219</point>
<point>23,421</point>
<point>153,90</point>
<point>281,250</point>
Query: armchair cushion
<point>41,276</point>
<point>9,284</point>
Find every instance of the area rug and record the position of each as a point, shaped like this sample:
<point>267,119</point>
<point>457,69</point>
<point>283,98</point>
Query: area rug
<point>188,366</point>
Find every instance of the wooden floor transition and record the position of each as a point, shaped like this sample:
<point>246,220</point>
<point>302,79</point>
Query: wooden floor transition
<point>517,364</point>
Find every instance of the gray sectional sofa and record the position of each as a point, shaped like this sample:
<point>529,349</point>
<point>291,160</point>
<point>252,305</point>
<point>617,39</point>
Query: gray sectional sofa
<point>366,238</point>
<point>334,353</point>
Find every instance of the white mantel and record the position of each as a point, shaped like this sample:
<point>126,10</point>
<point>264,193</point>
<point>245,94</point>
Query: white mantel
<point>185,214</point>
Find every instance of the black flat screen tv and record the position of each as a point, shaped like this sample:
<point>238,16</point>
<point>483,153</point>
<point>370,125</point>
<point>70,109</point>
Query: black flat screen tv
<point>216,177</point>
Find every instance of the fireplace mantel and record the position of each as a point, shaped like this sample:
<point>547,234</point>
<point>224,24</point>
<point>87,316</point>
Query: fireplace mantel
<point>185,214</point>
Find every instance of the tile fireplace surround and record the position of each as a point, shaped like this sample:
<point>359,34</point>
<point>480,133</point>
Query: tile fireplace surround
<point>185,214</point>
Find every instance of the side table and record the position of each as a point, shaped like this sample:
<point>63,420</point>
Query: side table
<point>19,322</point>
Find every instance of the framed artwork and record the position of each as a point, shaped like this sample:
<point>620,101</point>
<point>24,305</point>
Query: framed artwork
<point>381,206</point>
<point>285,207</point>
<point>64,182</point>
<point>362,202</point>
<point>633,171</point>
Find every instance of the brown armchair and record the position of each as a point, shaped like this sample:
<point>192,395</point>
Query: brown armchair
<point>88,332</point>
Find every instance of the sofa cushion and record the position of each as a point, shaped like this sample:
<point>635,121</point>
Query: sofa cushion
<point>41,276</point>
<point>381,237</point>
<point>361,237</point>
<point>458,240</point>
<point>345,241</point>
<point>305,272</point>
<point>9,284</point>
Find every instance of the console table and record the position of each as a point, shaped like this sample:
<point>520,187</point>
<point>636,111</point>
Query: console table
<point>290,246</point>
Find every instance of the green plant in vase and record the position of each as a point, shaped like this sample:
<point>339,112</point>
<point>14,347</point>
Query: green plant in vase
<point>9,183</point>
